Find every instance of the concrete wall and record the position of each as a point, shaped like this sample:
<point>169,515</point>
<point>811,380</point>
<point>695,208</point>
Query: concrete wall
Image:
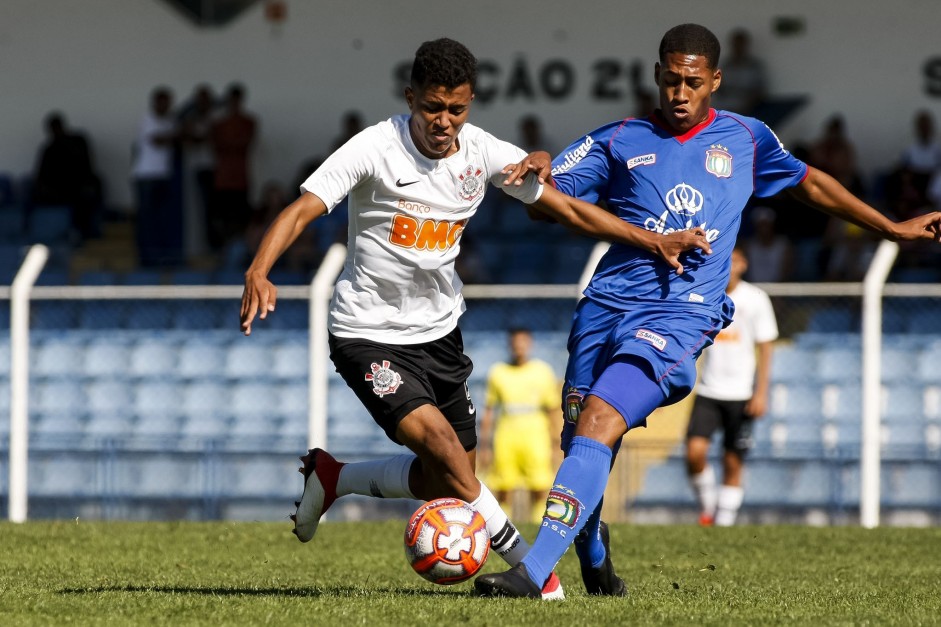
<point>97,61</point>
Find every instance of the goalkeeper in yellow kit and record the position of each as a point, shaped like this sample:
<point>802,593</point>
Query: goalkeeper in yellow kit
<point>524,394</point>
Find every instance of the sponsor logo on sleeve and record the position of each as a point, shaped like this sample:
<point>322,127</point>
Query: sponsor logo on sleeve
<point>572,157</point>
<point>657,341</point>
<point>641,160</point>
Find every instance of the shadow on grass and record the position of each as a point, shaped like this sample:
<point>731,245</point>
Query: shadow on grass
<point>313,592</point>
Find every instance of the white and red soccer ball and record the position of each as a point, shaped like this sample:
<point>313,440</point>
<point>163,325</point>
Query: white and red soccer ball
<point>446,541</point>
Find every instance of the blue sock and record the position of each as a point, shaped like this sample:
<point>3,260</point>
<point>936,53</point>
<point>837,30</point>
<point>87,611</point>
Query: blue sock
<point>589,548</point>
<point>576,492</point>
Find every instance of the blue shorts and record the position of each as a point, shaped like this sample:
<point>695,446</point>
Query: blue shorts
<point>668,340</point>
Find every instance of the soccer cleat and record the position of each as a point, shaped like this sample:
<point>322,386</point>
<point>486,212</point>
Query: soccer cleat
<point>552,591</point>
<point>603,580</point>
<point>512,583</point>
<point>321,472</point>
<point>705,520</point>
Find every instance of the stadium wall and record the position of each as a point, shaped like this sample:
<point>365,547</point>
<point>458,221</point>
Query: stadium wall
<point>97,61</point>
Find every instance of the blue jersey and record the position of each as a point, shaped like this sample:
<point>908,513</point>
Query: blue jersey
<point>663,182</point>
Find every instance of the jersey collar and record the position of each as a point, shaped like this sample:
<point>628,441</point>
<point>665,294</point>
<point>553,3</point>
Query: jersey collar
<point>657,120</point>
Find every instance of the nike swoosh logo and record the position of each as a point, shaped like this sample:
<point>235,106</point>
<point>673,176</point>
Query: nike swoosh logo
<point>399,183</point>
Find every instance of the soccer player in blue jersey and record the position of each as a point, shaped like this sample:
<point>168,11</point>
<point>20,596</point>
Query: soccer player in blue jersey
<point>640,328</point>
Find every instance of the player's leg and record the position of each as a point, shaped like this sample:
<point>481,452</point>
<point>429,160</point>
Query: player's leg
<point>737,442</point>
<point>703,422</point>
<point>580,482</point>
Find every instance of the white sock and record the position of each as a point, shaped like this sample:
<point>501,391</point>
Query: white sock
<point>704,487</point>
<point>384,478</point>
<point>730,500</point>
<point>505,539</point>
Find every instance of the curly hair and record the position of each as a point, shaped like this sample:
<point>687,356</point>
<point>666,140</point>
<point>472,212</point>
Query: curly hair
<point>691,39</point>
<point>443,62</point>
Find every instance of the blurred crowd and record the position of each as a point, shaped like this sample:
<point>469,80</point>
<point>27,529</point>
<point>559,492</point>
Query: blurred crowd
<point>196,199</point>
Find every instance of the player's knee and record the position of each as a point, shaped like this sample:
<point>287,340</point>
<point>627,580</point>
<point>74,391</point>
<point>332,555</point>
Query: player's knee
<point>599,421</point>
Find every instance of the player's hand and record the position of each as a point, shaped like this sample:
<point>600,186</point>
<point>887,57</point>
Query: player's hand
<point>670,247</point>
<point>539,162</point>
<point>927,226</point>
<point>259,294</point>
<point>756,406</point>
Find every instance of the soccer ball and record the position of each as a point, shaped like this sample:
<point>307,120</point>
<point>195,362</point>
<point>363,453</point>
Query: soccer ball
<point>446,541</point>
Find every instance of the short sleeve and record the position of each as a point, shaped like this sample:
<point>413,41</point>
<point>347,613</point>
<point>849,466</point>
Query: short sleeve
<point>582,170</point>
<point>766,325</point>
<point>345,168</point>
<point>776,169</point>
<point>501,154</point>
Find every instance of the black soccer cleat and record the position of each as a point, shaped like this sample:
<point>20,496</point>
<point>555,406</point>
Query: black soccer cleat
<point>513,583</point>
<point>603,580</point>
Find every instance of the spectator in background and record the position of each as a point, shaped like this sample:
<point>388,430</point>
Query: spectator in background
<point>834,154</point>
<point>352,124</point>
<point>197,120</point>
<point>731,394</point>
<point>770,254</point>
<point>744,82</point>
<point>524,395</point>
<point>232,137</point>
<point>159,215</point>
<point>851,252</point>
<point>65,175</point>
<point>923,156</point>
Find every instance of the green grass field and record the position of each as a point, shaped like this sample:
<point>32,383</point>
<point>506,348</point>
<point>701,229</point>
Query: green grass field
<point>355,574</point>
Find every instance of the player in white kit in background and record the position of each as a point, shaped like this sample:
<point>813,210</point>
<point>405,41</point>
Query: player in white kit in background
<point>731,394</point>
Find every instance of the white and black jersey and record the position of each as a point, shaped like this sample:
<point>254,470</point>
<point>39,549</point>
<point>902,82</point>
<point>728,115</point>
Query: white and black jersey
<point>406,216</point>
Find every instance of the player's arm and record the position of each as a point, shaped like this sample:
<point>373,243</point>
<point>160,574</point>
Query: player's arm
<point>260,293</point>
<point>757,405</point>
<point>823,192</point>
<point>593,221</point>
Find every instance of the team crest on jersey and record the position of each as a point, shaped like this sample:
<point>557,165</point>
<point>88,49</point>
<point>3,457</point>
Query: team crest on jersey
<point>719,161</point>
<point>384,379</point>
<point>470,183</point>
<point>684,199</point>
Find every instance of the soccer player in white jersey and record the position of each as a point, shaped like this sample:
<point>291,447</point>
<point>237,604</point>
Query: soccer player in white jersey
<point>732,392</point>
<point>413,182</point>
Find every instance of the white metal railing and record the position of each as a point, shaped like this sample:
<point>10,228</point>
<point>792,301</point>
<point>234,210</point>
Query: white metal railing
<point>318,293</point>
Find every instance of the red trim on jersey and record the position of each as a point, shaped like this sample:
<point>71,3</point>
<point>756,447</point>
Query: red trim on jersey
<point>615,133</point>
<point>657,119</point>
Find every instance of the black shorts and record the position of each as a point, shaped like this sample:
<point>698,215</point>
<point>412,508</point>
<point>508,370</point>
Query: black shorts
<point>709,414</point>
<point>392,380</point>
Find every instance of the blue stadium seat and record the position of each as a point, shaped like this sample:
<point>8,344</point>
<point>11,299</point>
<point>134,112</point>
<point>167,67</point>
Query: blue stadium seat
<point>50,224</point>
<point>665,483</point>
<point>102,314</point>
<point>162,475</point>
<point>106,358</point>
<point>903,403</point>
<point>205,426</point>
<point>896,362</point>
<point>928,364</point>
<point>99,278</point>
<point>149,315</point>
<point>59,355</point>
<point>204,314</point>
<point>248,358</point>
<point>190,277</point>
<point>925,320</point>
<point>293,399</point>
<point>250,476</point>
<point>142,277</point>
<point>838,364</point>
<point>200,358</point>
<point>911,485</point>
<point>290,360</point>
<point>768,482</point>
<point>253,399</point>
<point>65,475</point>
<point>843,402</point>
<point>107,426</point>
<point>110,396</point>
<point>58,396</point>
<point>153,357</point>
<point>796,401</point>
<point>205,398</point>
<point>290,314</point>
<point>793,363</point>
<point>158,397</point>
<point>834,320</point>
<point>815,483</point>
